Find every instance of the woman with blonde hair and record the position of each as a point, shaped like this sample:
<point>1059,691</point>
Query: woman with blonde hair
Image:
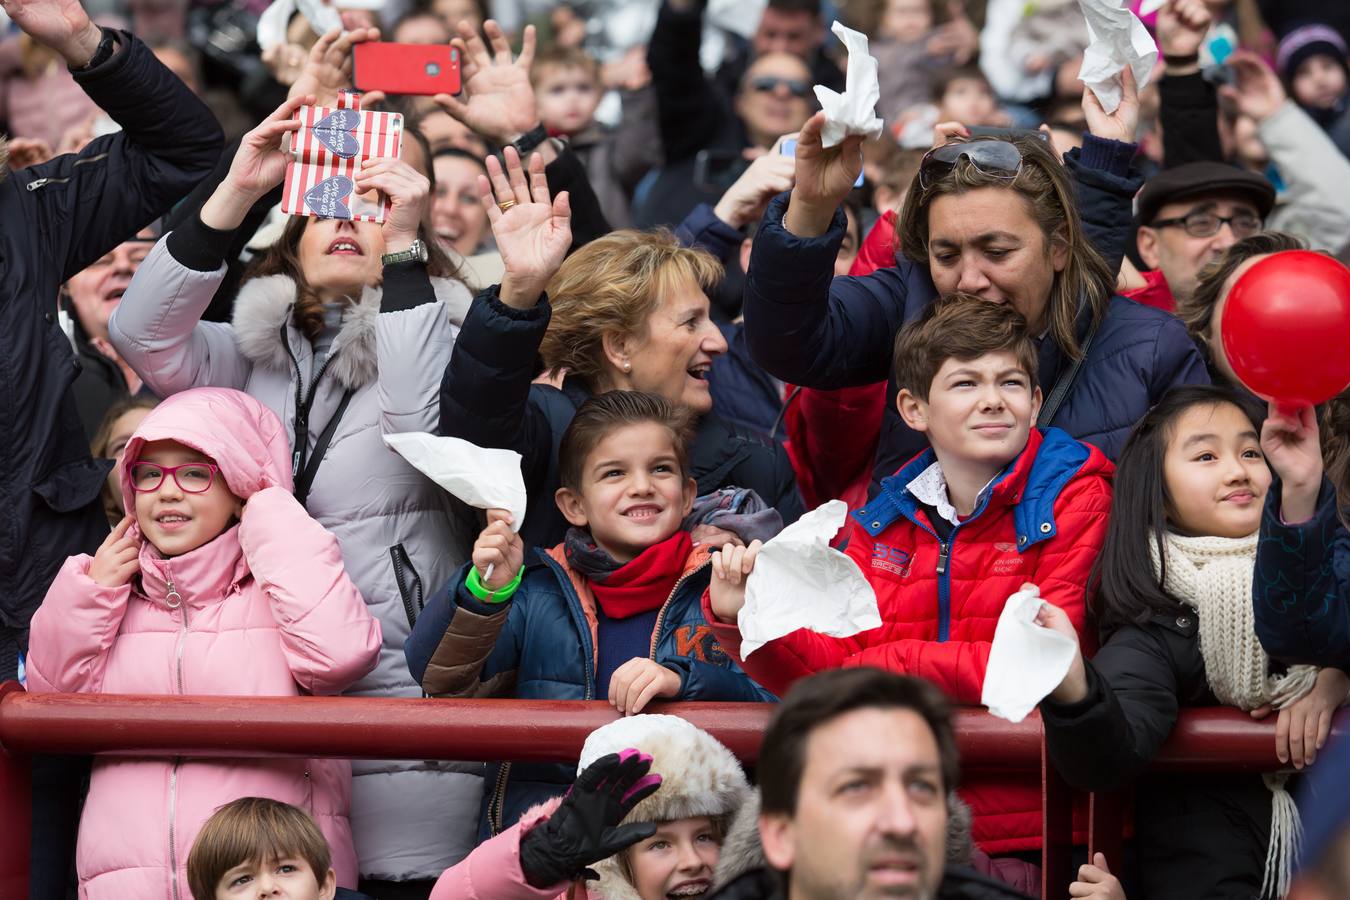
<point>628,311</point>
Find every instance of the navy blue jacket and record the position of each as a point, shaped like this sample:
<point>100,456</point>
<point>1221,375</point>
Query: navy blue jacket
<point>487,398</point>
<point>539,645</point>
<point>807,327</point>
<point>1302,584</point>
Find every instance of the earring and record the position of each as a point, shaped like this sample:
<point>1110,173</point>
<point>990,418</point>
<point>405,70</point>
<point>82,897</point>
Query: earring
<point>628,367</point>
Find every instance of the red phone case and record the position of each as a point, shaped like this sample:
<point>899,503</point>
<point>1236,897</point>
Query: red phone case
<point>406,68</point>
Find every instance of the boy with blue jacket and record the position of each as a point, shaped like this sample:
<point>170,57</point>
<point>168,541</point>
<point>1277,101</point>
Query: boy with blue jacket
<point>612,612</point>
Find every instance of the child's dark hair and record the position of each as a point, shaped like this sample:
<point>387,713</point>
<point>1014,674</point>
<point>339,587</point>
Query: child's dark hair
<point>959,326</point>
<point>605,413</point>
<point>1127,590</point>
<point>945,78</point>
<point>254,829</point>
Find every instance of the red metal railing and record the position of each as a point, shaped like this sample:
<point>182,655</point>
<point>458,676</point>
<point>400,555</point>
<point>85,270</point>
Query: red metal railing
<point>518,730</point>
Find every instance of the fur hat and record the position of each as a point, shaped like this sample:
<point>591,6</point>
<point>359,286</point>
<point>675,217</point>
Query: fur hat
<point>699,777</point>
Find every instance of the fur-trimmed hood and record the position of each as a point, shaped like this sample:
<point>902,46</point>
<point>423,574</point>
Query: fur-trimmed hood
<point>264,306</point>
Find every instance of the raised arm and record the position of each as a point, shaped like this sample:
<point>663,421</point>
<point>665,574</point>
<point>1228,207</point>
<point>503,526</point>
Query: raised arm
<point>1189,106</point>
<point>157,327</point>
<point>485,392</point>
<point>467,642</point>
<point>119,183</point>
<point>690,111</point>
<point>328,635</point>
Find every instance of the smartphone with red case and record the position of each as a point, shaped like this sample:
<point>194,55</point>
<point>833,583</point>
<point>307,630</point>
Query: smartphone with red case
<point>423,69</point>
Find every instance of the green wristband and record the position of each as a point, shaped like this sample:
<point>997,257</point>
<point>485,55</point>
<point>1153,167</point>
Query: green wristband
<point>476,587</point>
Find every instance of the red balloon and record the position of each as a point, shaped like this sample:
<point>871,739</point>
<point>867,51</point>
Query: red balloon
<point>1286,328</point>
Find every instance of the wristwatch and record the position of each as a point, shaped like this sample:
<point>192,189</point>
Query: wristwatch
<point>417,252</point>
<point>530,139</point>
<point>107,45</point>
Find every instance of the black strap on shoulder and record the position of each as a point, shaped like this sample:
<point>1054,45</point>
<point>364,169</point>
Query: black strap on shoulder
<point>305,479</point>
<point>1065,382</point>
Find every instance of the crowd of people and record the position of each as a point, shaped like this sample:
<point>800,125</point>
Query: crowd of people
<point>624,251</point>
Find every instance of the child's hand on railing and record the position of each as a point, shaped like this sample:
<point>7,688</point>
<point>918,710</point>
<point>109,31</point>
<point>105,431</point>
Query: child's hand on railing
<point>639,681</point>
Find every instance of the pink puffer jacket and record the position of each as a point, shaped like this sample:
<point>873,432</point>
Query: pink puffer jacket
<point>266,610</point>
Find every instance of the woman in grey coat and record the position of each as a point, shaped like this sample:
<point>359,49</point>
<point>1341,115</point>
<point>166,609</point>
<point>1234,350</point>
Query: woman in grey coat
<point>342,330</point>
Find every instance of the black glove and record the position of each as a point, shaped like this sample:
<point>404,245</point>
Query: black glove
<point>585,828</point>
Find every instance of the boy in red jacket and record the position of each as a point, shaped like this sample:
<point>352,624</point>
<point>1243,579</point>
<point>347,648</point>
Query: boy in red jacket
<point>993,504</point>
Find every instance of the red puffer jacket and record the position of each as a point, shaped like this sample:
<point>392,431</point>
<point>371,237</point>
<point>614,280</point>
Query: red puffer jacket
<point>1043,521</point>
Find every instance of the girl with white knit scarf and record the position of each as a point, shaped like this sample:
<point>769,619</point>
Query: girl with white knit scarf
<point>1174,599</point>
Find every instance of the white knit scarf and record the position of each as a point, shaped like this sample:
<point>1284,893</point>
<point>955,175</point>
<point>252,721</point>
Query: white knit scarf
<point>1213,576</point>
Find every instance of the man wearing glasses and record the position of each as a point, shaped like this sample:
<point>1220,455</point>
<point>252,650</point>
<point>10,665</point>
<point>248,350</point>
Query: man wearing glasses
<point>1187,217</point>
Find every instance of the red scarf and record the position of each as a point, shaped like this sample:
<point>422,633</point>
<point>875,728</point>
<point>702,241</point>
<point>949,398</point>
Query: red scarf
<point>638,586</point>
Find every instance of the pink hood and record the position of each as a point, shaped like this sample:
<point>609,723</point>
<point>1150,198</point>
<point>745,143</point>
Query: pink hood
<point>264,609</point>
<point>245,438</point>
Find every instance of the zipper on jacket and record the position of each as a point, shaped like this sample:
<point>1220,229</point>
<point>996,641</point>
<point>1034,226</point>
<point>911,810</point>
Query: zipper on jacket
<point>661,616</point>
<point>173,815</point>
<point>174,600</point>
<point>411,591</point>
<point>498,801</point>
<point>583,626</point>
<point>37,183</point>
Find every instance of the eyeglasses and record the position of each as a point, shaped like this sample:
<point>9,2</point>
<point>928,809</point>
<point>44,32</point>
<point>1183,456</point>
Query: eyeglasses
<point>1204,224</point>
<point>1000,159</point>
<point>191,478</point>
<point>768,83</point>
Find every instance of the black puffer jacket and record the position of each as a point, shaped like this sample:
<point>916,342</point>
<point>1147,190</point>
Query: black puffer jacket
<point>487,398</point>
<point>1195,836</point>
<point>58,217</point>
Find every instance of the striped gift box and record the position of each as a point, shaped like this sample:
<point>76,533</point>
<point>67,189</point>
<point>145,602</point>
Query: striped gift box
<point>327,155</point>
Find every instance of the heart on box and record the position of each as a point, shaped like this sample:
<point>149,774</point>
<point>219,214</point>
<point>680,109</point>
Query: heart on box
<point>330,197</point>
<point>337,132</point>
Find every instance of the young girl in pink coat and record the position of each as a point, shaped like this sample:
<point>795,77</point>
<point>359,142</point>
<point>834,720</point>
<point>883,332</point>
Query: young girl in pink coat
<point>217,582</point>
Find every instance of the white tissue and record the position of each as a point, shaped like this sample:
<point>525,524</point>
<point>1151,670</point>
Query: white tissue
<point>273,22</point>
<point>481,477</point>
<point>1151,6</point>
<point>737,16</point>
<point>1026,661</point>
<point>800,581</point>
<point>855,110</point>
<point>1117,39</point>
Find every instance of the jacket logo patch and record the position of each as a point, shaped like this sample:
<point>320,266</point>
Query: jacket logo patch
<point>891,559</point>
<point>1006,565</point>
<point>697,642</point>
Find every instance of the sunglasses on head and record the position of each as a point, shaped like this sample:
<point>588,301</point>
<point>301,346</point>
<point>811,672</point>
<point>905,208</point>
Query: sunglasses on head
<point>767,83</point>
<point>1000,159</point>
